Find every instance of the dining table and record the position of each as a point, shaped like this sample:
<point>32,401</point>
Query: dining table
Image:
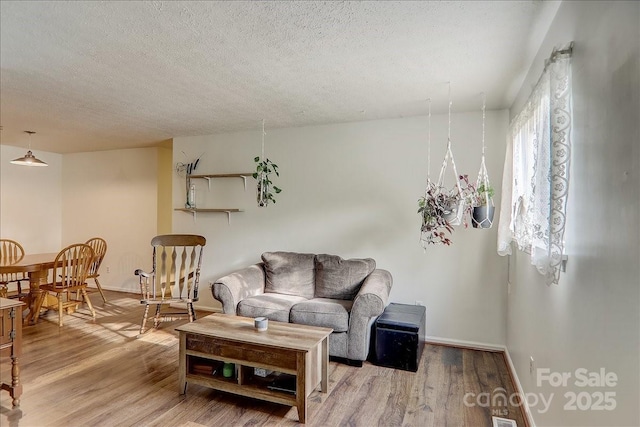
<point>37,267</point>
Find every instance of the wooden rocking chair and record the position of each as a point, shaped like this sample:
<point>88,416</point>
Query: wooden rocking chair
<point>174,277</point>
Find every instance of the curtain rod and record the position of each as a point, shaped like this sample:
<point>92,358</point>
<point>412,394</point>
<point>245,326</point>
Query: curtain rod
<point>557,53</point>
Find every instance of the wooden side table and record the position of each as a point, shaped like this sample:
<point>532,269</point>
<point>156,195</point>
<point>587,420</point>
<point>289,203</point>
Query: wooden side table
<point>11,343</point>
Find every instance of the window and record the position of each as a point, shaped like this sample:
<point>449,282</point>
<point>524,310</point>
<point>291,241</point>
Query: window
<point>535,182</point>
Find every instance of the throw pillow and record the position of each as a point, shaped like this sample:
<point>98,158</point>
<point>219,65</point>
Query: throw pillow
<point>289,273</point>
<point>340,278</point>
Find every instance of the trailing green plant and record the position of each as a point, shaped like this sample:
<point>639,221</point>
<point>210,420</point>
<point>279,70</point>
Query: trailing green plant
<point>264,168</point>
<point>484,192</point>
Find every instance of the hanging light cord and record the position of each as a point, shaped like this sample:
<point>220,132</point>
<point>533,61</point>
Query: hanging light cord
<point>30,132</point>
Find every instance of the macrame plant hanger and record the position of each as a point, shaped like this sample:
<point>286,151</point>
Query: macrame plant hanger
<point>482,216</point>
<point>440,208</point>
<point>453,201</point>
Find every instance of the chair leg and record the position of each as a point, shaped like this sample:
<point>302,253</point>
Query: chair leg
<point>144,318</point>
<point>100,289</point>
<point>60,308</point>
<point>191,311</point>
<point>156,318</point>
<point>86,298</point>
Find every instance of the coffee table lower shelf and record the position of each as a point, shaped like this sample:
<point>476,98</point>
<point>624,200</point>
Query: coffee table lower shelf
<point>247,390</point>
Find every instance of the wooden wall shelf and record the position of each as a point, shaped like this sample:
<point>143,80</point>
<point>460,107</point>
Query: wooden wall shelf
<point>209,177</point>
<point>209,210</point>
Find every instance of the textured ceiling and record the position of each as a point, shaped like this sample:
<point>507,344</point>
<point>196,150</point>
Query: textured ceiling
<point>100,75</point>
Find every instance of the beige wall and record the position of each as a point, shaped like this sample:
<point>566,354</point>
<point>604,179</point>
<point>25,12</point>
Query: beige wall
<point>30,201</point>
<point>591,319</point>
<point>114,195</point>
<point>165,182</point>
<point>351,190</point>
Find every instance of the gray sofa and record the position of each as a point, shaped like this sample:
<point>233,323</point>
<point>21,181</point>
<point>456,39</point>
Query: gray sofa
<point>319,290</point>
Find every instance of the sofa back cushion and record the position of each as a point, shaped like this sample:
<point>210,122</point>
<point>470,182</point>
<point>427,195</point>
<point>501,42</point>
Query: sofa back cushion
<point>339,278</point>
<point>289,273</point>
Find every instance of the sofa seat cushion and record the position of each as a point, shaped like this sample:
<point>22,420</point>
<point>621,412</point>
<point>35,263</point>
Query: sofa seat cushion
<point>340,278</point>
<point>323,312</point>
<point>274,306</point>
<point>289,273</point>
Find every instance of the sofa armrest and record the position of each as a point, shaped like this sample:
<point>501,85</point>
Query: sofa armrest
<point>368,304</point>
<point>373,295</point>
<point>233,288</point>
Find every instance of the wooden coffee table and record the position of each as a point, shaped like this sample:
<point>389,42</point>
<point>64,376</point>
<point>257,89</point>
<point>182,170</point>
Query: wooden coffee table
<point>298,350</point>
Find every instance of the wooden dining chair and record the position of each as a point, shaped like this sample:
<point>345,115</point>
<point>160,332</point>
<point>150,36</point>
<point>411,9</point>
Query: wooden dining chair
<point>99,247</point>
<point>70,271</point>
<point>11,252</point>
<point>173,279</point>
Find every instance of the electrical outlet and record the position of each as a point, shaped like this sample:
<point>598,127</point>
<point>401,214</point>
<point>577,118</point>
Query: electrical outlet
<point>532,365</point>
<point>419,302</point>
<point>108,270</point>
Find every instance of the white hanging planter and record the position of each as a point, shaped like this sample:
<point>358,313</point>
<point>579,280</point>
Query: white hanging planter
<point>482,216</point>
<point>454,213</point>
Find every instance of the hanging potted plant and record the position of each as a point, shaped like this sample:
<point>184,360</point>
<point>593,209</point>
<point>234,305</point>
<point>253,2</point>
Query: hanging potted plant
<point>483,207</point>
<point>440,209</point>
<point>264,168</point>
<point>482,215</point>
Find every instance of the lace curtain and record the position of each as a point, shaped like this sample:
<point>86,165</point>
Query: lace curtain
<point>535,181</point>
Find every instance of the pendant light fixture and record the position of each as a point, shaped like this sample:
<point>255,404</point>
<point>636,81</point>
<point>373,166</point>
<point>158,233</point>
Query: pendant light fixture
<point>29,159</point>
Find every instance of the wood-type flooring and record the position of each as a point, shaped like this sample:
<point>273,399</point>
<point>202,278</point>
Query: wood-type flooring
<point>97,373</point>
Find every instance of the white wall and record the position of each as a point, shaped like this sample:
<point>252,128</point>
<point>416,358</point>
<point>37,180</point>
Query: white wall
<point>351,190</point>
<point>30,202</point>
<point>112,194</point>
<point>591,318</point>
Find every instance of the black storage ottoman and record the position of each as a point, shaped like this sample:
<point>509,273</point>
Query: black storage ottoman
<point>399,336</point>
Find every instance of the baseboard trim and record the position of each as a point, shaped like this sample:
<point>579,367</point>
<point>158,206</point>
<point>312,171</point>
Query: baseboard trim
<point>518,387</point>
<point>473,345</point>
